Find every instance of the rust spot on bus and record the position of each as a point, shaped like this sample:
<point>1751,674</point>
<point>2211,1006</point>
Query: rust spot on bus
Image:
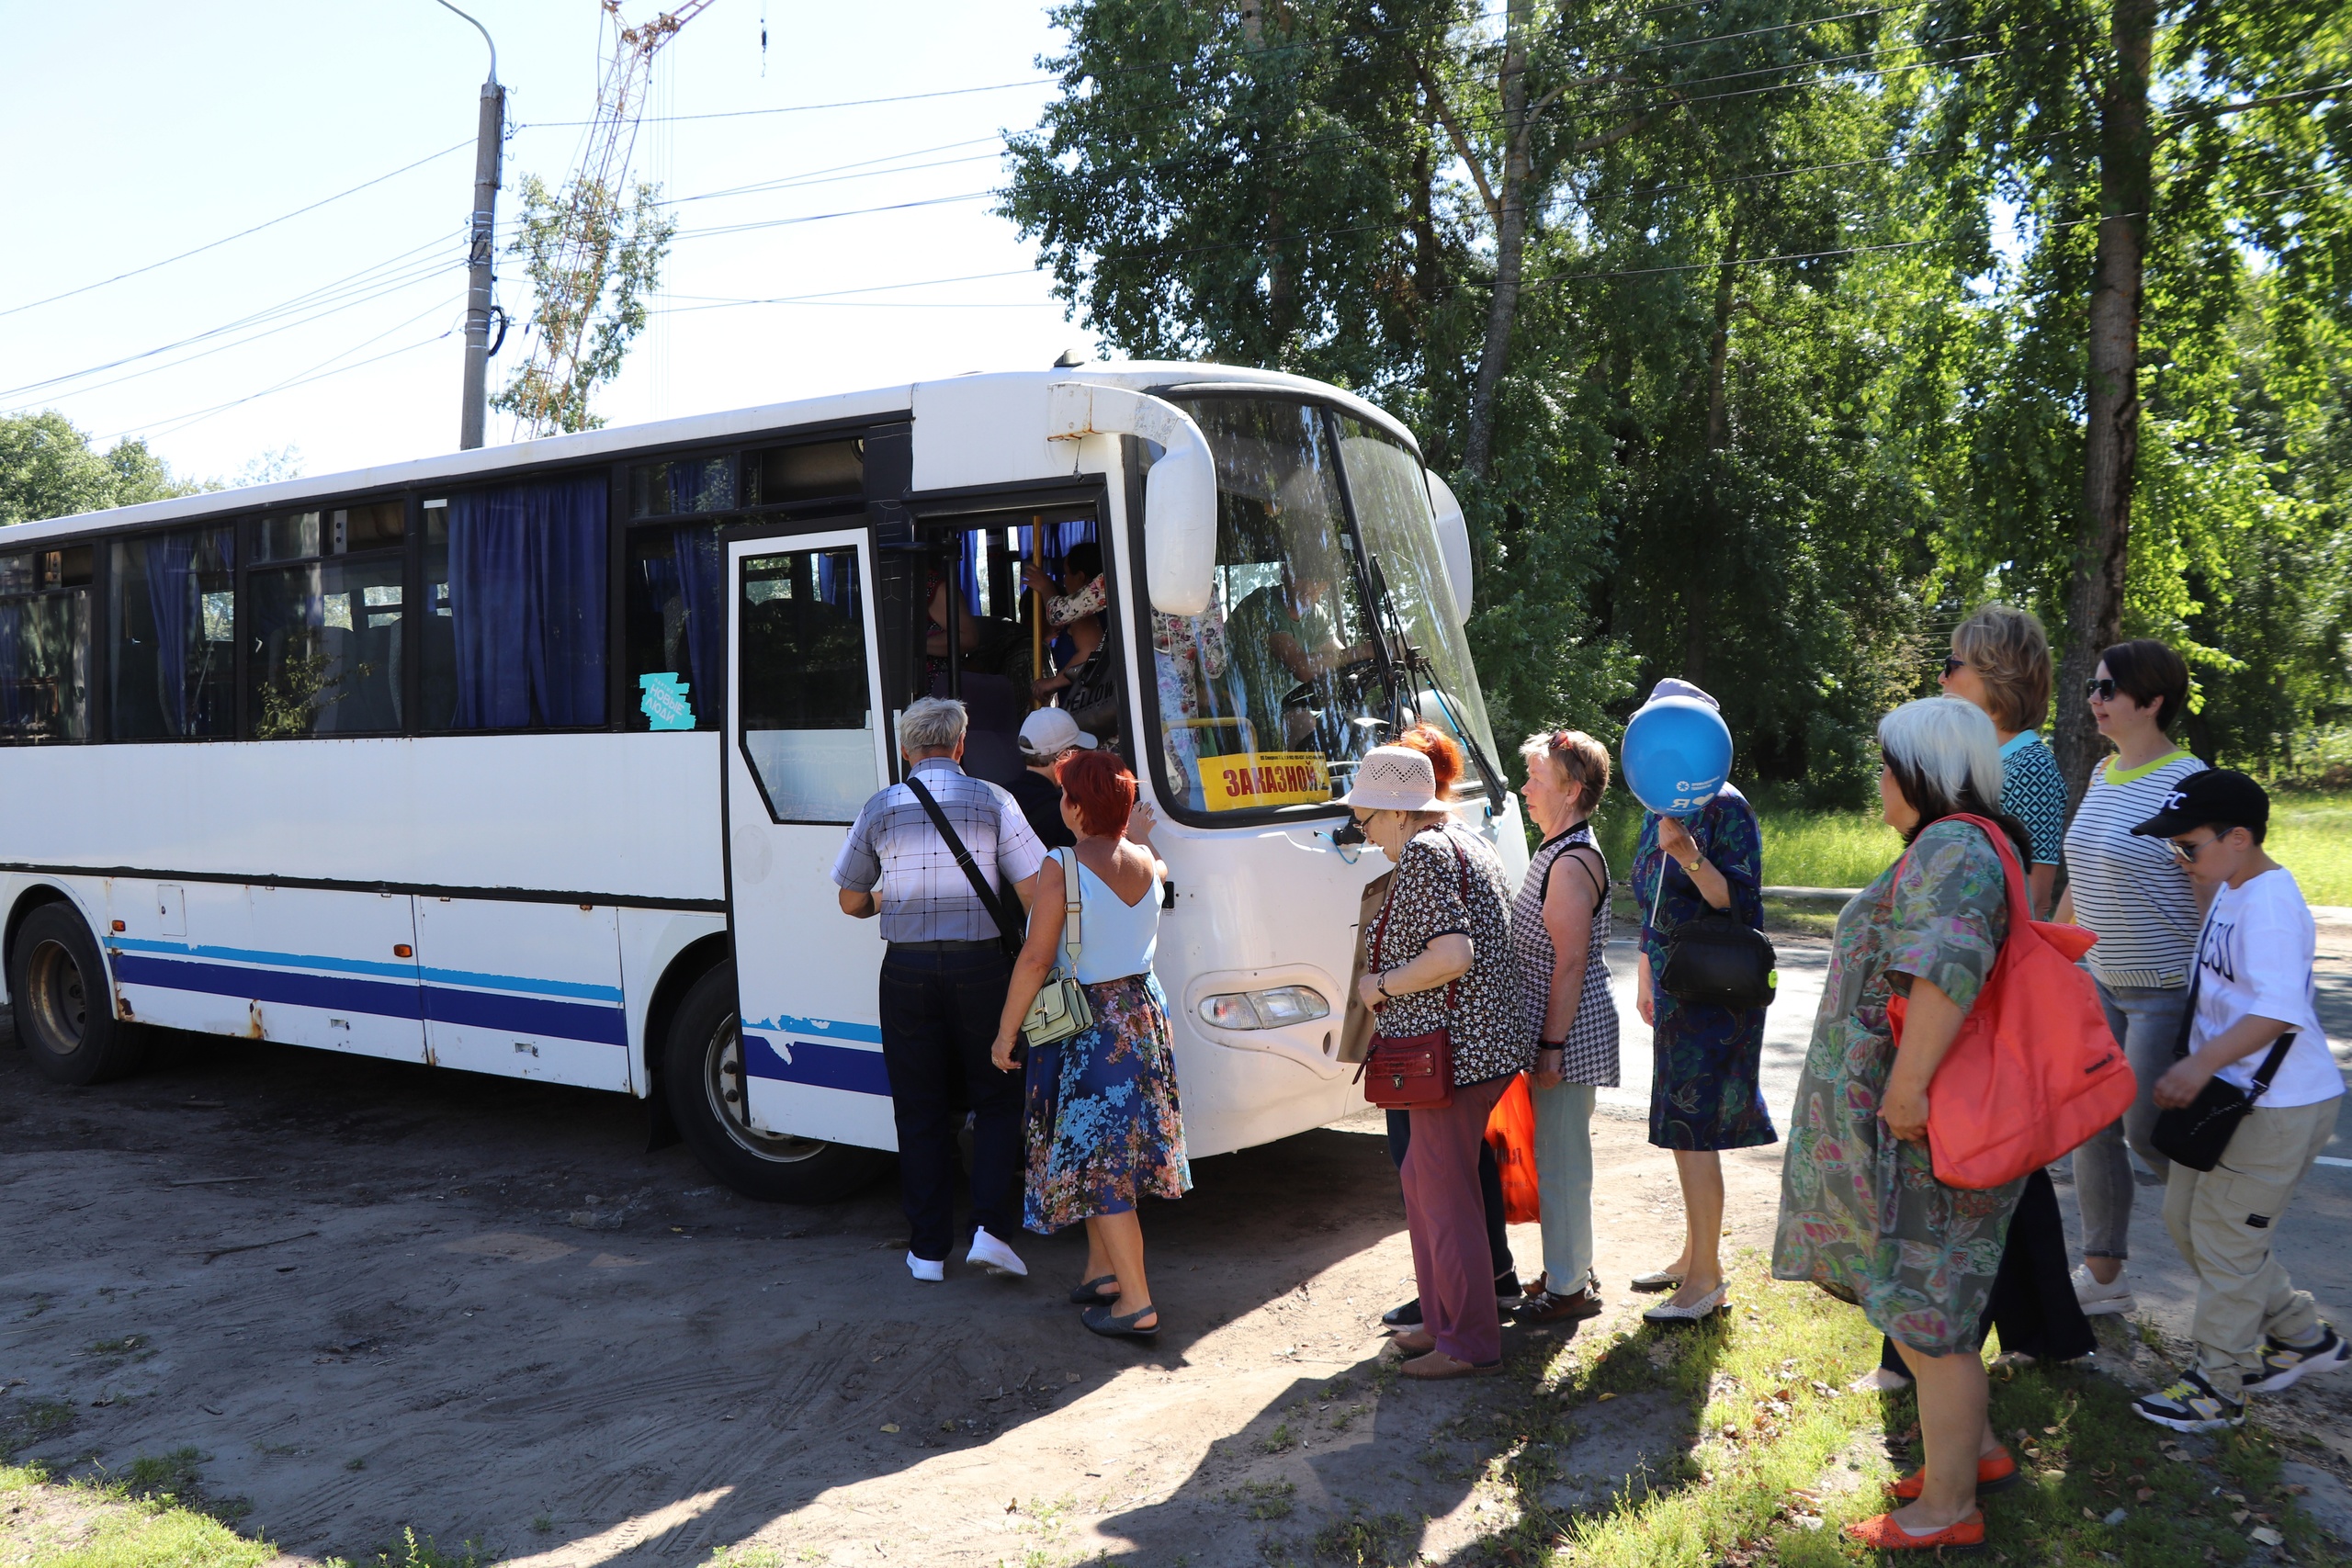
<point>122,1008</point>
<point>252,1021</point>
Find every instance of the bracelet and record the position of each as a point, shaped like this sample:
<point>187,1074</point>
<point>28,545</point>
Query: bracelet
<point>1380,984</point>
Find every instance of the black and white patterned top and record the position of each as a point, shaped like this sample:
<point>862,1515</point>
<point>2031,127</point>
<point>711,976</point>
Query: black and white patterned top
<point>1493,1036</point>
<point>1592,1053</point>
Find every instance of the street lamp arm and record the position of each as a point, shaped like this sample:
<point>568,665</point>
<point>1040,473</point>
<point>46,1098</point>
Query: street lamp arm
<point>485,37</point>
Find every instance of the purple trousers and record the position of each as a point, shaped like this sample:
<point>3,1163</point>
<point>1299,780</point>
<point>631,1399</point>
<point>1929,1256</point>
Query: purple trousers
<point>1446,1215</point>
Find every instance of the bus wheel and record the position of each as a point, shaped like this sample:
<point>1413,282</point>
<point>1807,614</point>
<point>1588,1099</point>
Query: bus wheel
<point>64,1010</point>
<point>703,1078</point>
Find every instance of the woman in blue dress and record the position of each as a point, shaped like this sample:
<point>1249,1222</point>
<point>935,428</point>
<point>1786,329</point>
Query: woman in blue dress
<point>1104,1126</point>
<point>1705,1091</point>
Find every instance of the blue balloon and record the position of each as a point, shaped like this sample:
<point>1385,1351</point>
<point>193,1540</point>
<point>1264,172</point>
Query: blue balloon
<point>1676,754</point>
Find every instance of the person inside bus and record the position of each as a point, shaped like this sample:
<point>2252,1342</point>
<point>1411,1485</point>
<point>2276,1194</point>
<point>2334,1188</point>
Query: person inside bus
<point>944,981</point>
<point>1287,634</point>
<point>934,633</point>
<point>1047,737</point>
<point>1085,685</point>
<point>1105,1128</point>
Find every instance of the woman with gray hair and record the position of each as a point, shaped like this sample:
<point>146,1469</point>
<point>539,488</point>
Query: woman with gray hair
<point>1862,1212</point>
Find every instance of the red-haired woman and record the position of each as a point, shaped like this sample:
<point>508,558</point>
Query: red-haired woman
<point>1105,1128</point>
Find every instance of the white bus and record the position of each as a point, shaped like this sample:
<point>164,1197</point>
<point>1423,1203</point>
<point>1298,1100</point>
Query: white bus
<point>533,760</point>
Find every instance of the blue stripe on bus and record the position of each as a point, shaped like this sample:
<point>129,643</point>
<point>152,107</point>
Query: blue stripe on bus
<point>832,1029</point>
<point>518,1015</point>
<point>814,1063</point>
<point>368,967</point>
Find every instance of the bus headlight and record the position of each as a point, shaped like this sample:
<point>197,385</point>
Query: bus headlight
<point>1263,1009</point>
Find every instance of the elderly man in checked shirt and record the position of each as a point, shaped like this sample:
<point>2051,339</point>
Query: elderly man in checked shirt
<point>944,980</point>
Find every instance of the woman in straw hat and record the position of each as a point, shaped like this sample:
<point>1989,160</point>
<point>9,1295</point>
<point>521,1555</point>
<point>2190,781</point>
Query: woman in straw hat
<point>1439,957</point>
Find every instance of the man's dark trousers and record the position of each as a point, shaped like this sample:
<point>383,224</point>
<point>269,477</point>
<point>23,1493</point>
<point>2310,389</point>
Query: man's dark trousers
<point>939,1006</point>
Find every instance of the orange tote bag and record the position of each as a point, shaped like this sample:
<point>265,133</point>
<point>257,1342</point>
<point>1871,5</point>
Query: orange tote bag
<point>2035,1071</point>
<point>1511,1133</point>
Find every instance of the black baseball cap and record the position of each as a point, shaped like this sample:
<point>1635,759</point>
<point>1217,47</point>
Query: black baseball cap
<point>2217,798</point>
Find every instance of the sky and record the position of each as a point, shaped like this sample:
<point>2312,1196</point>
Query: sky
<point>155,129</point>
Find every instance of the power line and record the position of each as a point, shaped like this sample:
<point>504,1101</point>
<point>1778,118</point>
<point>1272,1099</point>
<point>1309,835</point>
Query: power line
<point>216,245</point>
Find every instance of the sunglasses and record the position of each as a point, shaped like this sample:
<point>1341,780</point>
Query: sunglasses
<point>2101,687</point>
<point>2186,854</point>
<point>1953,666</point>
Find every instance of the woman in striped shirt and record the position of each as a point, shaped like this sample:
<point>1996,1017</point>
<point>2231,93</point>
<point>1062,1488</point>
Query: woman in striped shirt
<point>2140,903</point>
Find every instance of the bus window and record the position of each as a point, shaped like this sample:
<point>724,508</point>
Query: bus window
<point>514,607</point>
<point>325,648</point>
<point>814,470</point>
<point>44,646</point>
<point>174,603</point>
<point>674,638</point>
<point>668,490</point>
<point>808,727</point>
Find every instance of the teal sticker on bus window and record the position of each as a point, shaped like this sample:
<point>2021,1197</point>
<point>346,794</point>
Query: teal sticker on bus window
<point>664,703</point>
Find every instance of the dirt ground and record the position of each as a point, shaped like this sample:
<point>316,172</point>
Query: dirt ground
<point>378,1296</point>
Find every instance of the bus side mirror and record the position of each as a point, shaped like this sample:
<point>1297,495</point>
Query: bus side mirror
<point>1452,543</point>
<point>1180,493</point>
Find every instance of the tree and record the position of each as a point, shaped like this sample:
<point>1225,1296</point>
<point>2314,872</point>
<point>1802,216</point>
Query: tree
<point>592,262</point>
<point>48,469</point>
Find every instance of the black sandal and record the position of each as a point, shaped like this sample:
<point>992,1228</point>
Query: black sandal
<point>1101,1321</point>
<point>1090,1294</point>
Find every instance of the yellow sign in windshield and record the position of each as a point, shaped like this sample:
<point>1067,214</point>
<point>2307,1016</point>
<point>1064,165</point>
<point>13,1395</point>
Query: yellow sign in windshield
<point>1250,779</point>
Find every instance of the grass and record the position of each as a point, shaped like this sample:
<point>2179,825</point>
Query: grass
<point>116,1522</point>
<point>2310,835</point>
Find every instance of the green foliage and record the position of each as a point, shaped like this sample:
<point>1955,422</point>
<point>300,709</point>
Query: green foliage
<point>48,469</point>
<point>592,259</point>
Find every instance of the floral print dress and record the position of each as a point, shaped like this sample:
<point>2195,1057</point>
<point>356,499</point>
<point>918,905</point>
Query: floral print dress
<point>1862,1212</point>
<point>1706,1075</point>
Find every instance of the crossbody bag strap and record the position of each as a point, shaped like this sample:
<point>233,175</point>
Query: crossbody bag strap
<point>2270,1065</point>
<point>1380,931</point>
<point>963,855</point>
<point>1073,906</point>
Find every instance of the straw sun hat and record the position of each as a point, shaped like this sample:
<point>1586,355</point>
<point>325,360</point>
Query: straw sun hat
<point>1393,778</point>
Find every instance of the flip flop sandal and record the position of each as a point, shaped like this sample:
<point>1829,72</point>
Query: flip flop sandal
<point>1099,1319</point>
<point>1090,1294</point>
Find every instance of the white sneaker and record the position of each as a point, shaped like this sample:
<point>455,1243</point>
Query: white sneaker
<point>995,1257</point>
<point>2101,1301</point>
<point>929,1270</point>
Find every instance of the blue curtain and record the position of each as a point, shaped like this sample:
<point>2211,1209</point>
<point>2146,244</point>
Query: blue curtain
<point>172,600</point>
<point>700,566</point>
<point>528,604</point>
<point>15,701</point>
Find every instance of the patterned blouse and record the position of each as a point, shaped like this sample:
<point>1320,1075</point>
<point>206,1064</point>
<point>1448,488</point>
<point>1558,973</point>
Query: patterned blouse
<point>1862,1212</point>
<point>1592,1053</point>
<point>1493,1036</point>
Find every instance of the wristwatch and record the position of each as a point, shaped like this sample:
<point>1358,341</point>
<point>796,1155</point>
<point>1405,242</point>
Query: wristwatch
<point>1380,984</point>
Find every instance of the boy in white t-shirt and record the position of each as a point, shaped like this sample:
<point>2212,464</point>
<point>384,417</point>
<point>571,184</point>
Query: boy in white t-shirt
<point>2254,1332</point>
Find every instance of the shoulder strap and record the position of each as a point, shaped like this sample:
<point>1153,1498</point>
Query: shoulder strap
<point>1073,904</point>
<point>963,856</point>
<point>2270,1065</point>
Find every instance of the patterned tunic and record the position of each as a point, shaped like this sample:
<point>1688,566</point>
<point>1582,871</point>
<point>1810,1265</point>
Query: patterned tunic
<point>1706,1079</point>
<point>1862,1212</point>
<point>1103,1124</point>
<point>2034,792</point>
<point>1493,1036</point>
<point>1592,1053</point>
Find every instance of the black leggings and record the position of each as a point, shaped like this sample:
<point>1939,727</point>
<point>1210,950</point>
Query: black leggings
<point>2032,1301</point>
<point>1490,1186</point>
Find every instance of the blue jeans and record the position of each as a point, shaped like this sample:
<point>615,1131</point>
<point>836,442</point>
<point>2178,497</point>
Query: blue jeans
<point>939,1016</point>
<point>2147,1021</point>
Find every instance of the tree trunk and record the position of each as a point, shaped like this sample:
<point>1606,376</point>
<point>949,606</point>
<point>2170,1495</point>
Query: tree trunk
<point>1510,232</point>
<point>1719,350</point>
<point>2111,404</point>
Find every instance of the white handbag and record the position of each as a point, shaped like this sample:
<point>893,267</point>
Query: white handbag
<point>1061,1010</point>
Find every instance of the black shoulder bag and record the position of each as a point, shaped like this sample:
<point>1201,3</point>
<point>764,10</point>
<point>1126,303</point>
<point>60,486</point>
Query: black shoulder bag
<point>1009,936</point>
<point>1718,960</point>
<point>2197,1134</point>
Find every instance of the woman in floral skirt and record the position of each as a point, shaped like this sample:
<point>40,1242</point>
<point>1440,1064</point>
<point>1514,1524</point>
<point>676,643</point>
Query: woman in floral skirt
<point>1104,1126</point>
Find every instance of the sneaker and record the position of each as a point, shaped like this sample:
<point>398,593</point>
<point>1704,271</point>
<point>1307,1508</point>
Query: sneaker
<point>995,1257</point>
<point>929,1270</point>
<point>2283,1363</point>
<point>1407,1314</point>
<point>2192,1404</point>
<point>1507,1287</point>
<point>2101,1301</point>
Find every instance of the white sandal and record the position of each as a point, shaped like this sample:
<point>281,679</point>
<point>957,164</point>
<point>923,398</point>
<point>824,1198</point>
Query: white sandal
<point>1657,1279</point>
<point>1706,1306</point>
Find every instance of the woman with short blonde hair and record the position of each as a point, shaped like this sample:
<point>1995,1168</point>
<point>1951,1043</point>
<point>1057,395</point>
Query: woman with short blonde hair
<point>2000,661</point>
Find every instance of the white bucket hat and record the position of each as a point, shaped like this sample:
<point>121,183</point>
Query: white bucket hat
<point>1049,732</point>
<point>1393,778</point>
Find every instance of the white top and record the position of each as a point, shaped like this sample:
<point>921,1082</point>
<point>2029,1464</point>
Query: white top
<point>2129,891</point>
<point>2255,958</point>
<point>1114,939</point>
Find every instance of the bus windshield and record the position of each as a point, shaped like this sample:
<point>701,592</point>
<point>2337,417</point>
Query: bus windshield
<point>1311,653</point>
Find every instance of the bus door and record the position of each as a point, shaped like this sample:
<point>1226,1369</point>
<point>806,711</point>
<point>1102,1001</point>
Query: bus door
<point>809,742</point>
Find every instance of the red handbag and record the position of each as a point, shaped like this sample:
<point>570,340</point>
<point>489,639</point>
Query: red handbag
<point>2035,1071</point>
<point>1415,1072</point>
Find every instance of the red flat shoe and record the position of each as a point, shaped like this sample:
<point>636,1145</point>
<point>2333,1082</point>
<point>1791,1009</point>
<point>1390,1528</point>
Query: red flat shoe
<point>1881,1532</point>
<point>1995,1471</point>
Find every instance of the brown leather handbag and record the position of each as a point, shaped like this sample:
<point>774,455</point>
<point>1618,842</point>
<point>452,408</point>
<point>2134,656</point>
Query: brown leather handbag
<point>1415,1072</point>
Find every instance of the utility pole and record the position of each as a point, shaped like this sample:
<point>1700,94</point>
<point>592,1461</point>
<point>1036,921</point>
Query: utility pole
<point>490,136</point>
